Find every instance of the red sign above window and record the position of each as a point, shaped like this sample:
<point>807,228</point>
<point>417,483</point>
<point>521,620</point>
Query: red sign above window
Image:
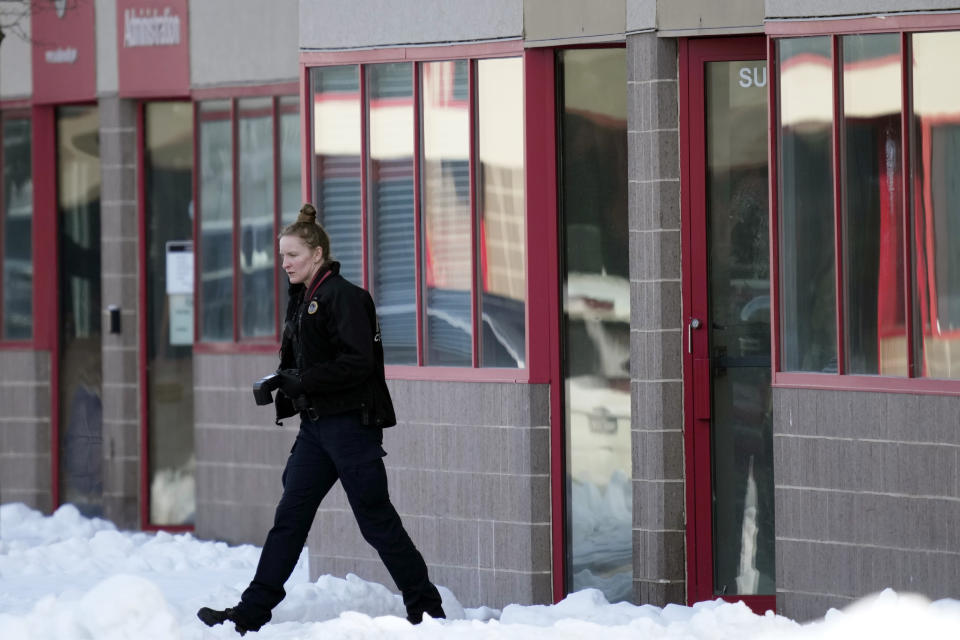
<point>64,51</point>
<point>153,48</point>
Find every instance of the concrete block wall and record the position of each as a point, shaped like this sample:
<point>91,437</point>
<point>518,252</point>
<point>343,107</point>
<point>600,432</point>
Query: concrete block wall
<point>25,444</point>
<point>468,466</point>
<point>655,321</point>
<point>120,286</point>
<point>867,496</point>
<point>240,452</point>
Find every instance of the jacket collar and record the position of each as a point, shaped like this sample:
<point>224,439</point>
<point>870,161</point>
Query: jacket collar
<point>331,265</point>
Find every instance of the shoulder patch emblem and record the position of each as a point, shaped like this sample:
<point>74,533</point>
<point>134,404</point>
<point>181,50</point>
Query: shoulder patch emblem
<point>312,307</point>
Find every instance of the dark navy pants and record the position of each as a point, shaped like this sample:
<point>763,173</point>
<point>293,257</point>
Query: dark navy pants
<point>332,448</point>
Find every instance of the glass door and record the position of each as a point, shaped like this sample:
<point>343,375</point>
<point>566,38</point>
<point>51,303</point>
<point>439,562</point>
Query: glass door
<point>80,376</point>
<point>728,332</point>
<point>168,242</point>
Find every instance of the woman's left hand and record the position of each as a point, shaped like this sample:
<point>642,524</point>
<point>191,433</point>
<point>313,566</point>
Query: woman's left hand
<point>290,383</point>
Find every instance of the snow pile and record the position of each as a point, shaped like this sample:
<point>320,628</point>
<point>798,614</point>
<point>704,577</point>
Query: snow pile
<point>65,577</point>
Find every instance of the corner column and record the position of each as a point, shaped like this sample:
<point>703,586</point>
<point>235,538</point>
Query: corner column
<point>120,286</point>
<point>655,321</point>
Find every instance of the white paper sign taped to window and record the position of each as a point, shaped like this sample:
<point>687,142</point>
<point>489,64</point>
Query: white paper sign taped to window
<point>179,267</point>
<point>181,319</point>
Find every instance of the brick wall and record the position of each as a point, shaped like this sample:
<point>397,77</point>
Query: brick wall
<point>25,472</point>
<point>867,496</point>
<point>655,321</point>
<point>469,473</point>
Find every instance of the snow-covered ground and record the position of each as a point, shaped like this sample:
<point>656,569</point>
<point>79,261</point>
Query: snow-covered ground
<point>66,577</point>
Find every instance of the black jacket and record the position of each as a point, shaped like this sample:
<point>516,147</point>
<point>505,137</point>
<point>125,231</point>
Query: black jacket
<point>333,340</point>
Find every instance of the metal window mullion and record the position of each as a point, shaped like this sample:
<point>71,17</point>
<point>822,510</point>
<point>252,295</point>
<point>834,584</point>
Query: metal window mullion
<point>774,186</point>
<point>276,214</point>
<point>3,233</point>
<point>364,180</point>
<point>235,235</point>
<point>906,168</point>
<point>420,302</point>
<point>476,275</point>
<point>838,199</point>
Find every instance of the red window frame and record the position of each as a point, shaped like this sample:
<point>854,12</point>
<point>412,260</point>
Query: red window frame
<point>17,110</point>
<point>539,170</point>
<point>904,25</point>
<point>237,344</point>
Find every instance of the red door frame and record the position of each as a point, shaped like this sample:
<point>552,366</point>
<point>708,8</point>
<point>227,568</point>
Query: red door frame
<point>694,53</point>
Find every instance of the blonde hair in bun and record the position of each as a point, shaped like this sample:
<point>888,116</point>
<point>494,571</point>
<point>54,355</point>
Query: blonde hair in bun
<point>309,230</point>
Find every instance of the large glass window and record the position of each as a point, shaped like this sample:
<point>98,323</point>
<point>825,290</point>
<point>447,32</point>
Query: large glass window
<point>447,260</point>
<point>900,272</point>
<point>16,225</point>
<point>596,320</point>
<point>248,179</point>
<point>433,197</point>
<point>935,130</point>
<point>216,221</point>
<point>500,194</point>
<point>874,322</point>
<point>808,301</point>
<point>390,184</point>
<point>256,204</point>
<point>337,164</point>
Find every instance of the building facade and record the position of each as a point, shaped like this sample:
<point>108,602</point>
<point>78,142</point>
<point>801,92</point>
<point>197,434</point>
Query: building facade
<point>667,288</point>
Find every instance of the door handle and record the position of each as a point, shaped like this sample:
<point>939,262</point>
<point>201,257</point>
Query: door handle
<point>694,324</point>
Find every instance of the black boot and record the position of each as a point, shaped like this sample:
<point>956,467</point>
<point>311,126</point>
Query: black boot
<point>416,617</point>
<point>211,617</point>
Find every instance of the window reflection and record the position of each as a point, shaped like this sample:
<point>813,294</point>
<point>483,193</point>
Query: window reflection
<point>216,221</point>
<point>256,205</point>
<point>168,175</point>
<point>936,215</point>
<point>337,164</point>
<point>17,218</point>
<point>500,205</point>
<point>807,265</point>
<point>874,320</point>
<point>392,264</point>
<point>596,320</point>
<point>445,201</point>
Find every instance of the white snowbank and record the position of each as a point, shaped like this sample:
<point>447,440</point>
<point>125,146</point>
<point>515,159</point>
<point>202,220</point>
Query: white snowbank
<point>65,577</point>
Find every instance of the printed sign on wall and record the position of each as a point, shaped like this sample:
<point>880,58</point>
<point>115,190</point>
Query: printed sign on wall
<point>64,51</point>
<point>153,48</point>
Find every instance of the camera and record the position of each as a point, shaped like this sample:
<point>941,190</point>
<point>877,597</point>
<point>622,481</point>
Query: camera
<point>263,394</point>
<point>264,387</point>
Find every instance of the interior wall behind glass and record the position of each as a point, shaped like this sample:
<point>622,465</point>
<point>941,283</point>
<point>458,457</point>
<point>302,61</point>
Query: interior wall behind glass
<point>808,300</point>
<point>17,218</point>
<point>168,210</point>
<point>501,211</point>
<point>596,320</point>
